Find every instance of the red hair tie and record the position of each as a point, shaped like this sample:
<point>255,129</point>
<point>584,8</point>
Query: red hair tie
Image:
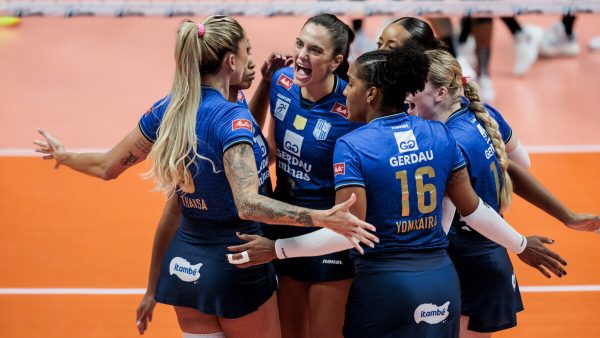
<point>465,79</point>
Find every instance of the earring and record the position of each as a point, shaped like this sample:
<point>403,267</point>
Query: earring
<point>369,101</point>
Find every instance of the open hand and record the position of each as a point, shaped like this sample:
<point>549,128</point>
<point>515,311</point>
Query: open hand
<point>583,222</point>
<point>537,255</point>
<point>340,220</point>
<point>52,147</point>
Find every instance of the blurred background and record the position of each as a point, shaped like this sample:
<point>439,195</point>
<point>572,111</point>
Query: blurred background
<point>75,251</point>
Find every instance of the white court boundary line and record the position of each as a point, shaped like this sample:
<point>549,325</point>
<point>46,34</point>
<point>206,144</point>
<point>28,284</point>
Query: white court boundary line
<point>109,291</point>
<point>547,149</point>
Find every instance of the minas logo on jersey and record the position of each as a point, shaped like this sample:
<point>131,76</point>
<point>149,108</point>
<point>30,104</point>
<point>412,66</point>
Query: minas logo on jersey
<point>431,313</point>
<point>184,270</point>
<point>285,81</point>
<point>339,169</point>
<point>406,141</point>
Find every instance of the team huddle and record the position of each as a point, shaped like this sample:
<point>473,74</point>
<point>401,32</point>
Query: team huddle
<point>391,178</point>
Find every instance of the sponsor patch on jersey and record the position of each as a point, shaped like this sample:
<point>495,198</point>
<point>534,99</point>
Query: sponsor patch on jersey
<point>340,109</point>
<point>431,313</point>
<point>281,109</point>
<point>292,142</point>
<point>285,81</point>
<point>406,141</point>
<point>181,268</point>
<point>241,124</point>
<point>339,169</point>
<point>321,130</point>
<point>299,122</point>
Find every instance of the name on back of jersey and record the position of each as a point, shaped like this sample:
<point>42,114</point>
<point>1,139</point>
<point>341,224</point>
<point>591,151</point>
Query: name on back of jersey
<point>407,142</point>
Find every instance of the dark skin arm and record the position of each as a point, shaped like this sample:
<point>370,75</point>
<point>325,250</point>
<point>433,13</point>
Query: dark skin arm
<point>530,189</point>
<point>536,254</point>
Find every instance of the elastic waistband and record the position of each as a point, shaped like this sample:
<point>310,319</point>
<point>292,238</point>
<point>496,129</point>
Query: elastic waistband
<point>203,229</point>
<point>402,261</point>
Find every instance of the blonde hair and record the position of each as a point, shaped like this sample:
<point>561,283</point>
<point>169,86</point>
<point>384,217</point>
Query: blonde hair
<point>445,71</point>
<point>176,146</point>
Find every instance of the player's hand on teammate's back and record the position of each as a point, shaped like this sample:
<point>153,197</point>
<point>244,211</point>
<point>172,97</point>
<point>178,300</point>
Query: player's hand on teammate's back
<point>144,313</point>
<point>259,250</point>
<point>583,222</point>
<point>537,255</point>
<point>52,147</point>
<point>340,220</point>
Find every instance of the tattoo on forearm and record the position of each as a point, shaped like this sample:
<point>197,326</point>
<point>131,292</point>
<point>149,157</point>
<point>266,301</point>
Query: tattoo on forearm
<point>129,160</point>
<point>240,166</point>
<point>144,146</point>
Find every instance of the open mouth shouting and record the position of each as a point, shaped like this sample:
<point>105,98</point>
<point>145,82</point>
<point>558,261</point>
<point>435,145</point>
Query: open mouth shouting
<point>302,72</point>
<point>412,108</point>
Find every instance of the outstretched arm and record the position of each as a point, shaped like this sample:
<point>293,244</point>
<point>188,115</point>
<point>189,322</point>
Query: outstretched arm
<point>134,148</point>
<point>526,186</point>
<point>487,222</point>
<point>260,250</point>
<point>240,168</point>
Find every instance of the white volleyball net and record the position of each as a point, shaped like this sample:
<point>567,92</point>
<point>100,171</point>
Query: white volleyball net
<point>71,8</point>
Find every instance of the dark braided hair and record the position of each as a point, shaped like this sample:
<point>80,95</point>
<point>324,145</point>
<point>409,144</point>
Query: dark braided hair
<point>395,72</point>
<point>341,39</point>
<point>420,32</point>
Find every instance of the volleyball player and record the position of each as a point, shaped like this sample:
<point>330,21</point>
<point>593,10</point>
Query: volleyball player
<point>308,114</point>
<point>399,167</point>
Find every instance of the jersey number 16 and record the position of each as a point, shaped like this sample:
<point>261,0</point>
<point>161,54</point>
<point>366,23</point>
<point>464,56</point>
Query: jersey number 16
<point>422,188</point>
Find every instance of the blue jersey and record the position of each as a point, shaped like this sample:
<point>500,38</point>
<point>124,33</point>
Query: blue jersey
<point>261,153</point>
<point>503,127</point>
<point>403,162</point>
<point>219,125</point>
<point>480,155</point>
<point>305,135</point>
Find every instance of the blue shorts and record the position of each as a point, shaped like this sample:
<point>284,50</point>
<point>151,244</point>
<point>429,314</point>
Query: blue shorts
<point>326,268</point>
<point>195,273</point>
<point>412,294</point>
<point>489,288</point>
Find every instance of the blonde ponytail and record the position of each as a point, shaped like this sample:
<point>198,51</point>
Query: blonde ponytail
<point>445,71</point>
<point>176,146</point>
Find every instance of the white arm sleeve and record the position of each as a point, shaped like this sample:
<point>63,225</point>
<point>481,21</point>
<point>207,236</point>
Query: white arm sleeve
<point>520,156</point>
<point>316,243</point>
<point>487,222</point>
<point>448,210</point>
